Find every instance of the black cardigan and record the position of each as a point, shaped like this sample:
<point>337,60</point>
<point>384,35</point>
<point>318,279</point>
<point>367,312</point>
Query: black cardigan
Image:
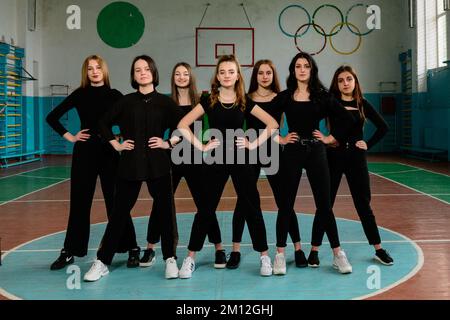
<point>141,117</point>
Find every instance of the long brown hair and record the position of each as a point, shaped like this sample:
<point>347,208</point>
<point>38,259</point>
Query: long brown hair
<point>193,93</point>
<point>85,82</point>
<point>274,86</point>
<point>357,92</point>
<point>239,86</point>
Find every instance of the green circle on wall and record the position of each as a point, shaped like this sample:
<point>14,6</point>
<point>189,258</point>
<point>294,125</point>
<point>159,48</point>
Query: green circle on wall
<point>120,25</point>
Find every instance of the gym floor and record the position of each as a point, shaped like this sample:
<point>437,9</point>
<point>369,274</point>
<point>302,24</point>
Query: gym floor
<point>410,199</point>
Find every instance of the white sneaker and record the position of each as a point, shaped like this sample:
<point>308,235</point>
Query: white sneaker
<point>340,262</point>
<point>187,268</point>
<point>279,264</point>
<point>97,271</point>
<point>171,268</point>
<point>266,266</point>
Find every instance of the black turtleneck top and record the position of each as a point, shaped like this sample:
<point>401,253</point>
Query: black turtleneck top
<point>91,104</point>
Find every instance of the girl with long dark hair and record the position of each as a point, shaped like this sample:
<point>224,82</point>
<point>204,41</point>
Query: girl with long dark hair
<point>349,156</point>
<point>305,103</point>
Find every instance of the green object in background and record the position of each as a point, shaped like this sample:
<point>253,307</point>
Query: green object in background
<point>120,25</point>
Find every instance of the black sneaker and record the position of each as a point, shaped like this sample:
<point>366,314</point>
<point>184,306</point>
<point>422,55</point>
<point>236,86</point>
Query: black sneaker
<point>300,259</point>
<point>313,259</point>
<point>63,260</point>
<point>221,259</point>
<point>234,260</point>
<point>148,259</point>
<point>384,257</point>
<point>133,258</point>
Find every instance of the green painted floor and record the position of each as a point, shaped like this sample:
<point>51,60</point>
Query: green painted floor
<point>22,184</point>
<point>430,183</point>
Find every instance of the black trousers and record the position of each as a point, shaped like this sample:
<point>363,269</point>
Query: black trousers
<point>311,157</point>
<point>91,159</point>
<point>121,222</point>
<point>245,187</point>
<point>352,162</point>
<point>239,211</point>
<point>193,175</point>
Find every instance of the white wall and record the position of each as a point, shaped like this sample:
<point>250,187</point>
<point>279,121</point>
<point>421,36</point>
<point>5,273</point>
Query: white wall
<point>8,28</point>
<point>170,37</point>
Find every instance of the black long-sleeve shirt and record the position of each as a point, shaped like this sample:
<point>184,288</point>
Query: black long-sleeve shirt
<point>91,104</point>
<point>356,131</point>
<point>139,118</point>
<point>304,117</point>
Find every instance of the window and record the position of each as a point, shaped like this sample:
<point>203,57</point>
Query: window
<point>431,38</point>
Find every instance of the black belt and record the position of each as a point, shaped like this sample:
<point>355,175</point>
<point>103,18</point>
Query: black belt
<point>349,145</point>
<point>308,142</point>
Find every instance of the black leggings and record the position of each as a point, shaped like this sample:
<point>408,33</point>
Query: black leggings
<point>239,211</point>
<point>245,187</point>
<point>194,179</point>
<point>352,162</point>
<point>121,222</point>
<point>311,157</point>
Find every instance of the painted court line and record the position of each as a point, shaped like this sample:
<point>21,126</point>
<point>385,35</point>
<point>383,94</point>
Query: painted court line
<point>16,174</point>
<point>408,165</point>
<point>251,245</point>
<point>411,188</point>
<point>52,185</point>
<point>41,177</point>
<point>403,171</point>
<point>232,198</point>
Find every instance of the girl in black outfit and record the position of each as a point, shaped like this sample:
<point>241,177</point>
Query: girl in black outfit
<point>92,156</point>
<point>226,109</point>
<point>349,156</point>
<point>143,117</point>
<point>264,87</point>
<point>305,103</point>
<point>184,93</point>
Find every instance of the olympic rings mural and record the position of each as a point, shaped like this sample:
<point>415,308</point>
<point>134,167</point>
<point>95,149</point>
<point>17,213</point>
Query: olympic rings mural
<point>373,23</point>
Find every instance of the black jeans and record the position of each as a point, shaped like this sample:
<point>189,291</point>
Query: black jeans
<point>193,174</point>
<point>91,159</point>
<point>239,211</point>
<point>312,157</point>
<point>121,222</point>
<point>245,187</point>
<point>352,162</point>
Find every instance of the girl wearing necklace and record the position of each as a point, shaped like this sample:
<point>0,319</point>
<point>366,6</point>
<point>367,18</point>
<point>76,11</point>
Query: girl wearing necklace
<point>305,103</point>
<point>226,108</point>
<point>264,87</point>
<point>349,157</point>
<point>184,93</point>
